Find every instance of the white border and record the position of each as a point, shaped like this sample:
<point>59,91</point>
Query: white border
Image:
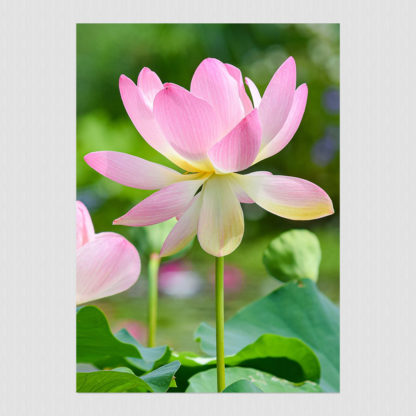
<point>37,99</point>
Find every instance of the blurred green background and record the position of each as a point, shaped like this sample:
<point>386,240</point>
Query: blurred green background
<point>173,51</point>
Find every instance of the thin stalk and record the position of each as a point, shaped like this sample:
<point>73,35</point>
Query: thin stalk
<point>154,262</point>
<point>219,309</point>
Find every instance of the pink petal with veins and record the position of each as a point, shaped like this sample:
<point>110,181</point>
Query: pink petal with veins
<point>106,265</point>
<point>239,148</point>
<point>213,83</point>
<point>188,122</point>
<point>286,196</point>
<point>85,228</point>
<point>167,203</point>
<point>132,171</point>
<point>277,100</point>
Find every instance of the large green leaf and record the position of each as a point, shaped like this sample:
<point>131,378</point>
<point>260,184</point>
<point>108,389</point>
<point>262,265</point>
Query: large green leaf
<point>97,345</point>
<point>95,340</point>
<point>206,381</point>
<point>242,386</point>
<point>119,380</point>
<point>288,358</point>
<point>294,254</point>
<point>124,380</point>
<point>151,357</point>
<point>159,380</point>
<point>294,310</point>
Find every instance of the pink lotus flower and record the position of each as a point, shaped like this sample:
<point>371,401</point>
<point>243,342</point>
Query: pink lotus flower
<point>212,132</point>
<point>106,262</point>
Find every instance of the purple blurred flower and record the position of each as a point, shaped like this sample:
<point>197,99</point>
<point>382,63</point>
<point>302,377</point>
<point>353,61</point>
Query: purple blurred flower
<point>177,279</point>
<point>331,100</point>
<point>325,149</point>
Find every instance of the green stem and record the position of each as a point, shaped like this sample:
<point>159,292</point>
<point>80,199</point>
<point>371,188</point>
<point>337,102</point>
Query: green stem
<point>219,309</point>
<point>154,262</point>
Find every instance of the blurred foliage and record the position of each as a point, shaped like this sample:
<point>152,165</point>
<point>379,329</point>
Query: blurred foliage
<point>173,51</point>
<point>294,254</point>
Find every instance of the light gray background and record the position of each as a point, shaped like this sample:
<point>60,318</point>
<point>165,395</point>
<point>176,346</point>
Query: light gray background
<point>37,193</point>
